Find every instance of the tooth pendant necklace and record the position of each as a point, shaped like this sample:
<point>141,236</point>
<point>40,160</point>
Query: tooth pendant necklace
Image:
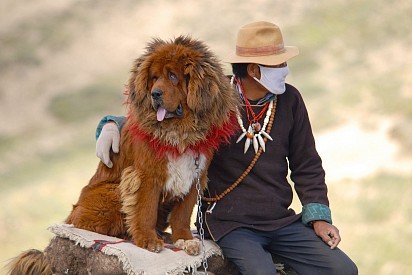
<point>255,132</point>
<point>272,112</point>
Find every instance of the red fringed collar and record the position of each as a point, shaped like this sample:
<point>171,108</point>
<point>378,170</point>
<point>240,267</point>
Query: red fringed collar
<point>215,137</point>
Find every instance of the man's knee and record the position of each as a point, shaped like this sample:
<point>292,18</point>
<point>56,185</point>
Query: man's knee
<point>344,266</point>
<point>255,266</point>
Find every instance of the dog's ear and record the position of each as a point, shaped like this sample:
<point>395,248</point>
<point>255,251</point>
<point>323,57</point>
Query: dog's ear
<point>135,87</point>
<point>202,88</point>
<point>139,79</point>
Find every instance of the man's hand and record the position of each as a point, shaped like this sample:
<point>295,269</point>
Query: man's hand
<point>109,138</point>
<point>327,232</point>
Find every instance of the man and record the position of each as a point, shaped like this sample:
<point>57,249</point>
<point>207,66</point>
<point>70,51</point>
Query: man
<point>248,195</point>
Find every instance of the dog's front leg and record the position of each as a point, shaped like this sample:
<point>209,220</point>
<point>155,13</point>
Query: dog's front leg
<point>180,223</point>
<point>140,198</point>
<point>143,222</point>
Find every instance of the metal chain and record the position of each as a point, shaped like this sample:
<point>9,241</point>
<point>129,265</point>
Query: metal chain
<point>200,214</point>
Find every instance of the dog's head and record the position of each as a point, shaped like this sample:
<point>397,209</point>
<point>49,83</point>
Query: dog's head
<point>178,91</point>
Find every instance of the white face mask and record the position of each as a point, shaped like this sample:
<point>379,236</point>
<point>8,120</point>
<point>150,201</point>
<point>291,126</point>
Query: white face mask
<point>273,79</point>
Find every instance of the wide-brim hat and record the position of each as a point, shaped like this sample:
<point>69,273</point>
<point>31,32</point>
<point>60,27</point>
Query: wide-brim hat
<point>261,43</point>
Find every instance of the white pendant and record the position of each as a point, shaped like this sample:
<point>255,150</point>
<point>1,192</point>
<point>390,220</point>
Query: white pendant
<point>249,129</point>
<point>241,137</point>
<point>261,142</point>
<point>266,135</point>
<point>247,144</point>
<point>255,134</point>
<point>255,144</point>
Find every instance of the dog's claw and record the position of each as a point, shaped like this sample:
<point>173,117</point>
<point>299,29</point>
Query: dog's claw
<point>191,247</point>
<point>151,244</point>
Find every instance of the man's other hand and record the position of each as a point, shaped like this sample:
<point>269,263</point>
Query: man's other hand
<point>327,232</point>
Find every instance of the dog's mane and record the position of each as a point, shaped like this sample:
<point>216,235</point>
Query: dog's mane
<point>210,98</point>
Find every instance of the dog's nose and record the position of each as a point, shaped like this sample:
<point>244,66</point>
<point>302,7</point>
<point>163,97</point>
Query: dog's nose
<point>157,94</point>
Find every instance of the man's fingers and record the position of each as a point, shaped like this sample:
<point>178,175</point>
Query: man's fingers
<point>98,154</point>
<point>327,238</point>
<point>332,239</point>
<point>328,233</point>
<point>335,238</point>
<point>108,163</point>
<point>106,159</point>
<point>115,143</point>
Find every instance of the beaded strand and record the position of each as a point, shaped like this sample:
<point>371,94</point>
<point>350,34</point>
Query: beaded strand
<point>251,165</point>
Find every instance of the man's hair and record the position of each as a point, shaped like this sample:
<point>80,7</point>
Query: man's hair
<point>240,69</point>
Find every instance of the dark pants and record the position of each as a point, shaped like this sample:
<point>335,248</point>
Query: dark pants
<point>297,245</point>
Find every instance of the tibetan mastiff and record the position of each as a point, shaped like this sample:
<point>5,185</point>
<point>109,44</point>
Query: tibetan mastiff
<point>180,108</point>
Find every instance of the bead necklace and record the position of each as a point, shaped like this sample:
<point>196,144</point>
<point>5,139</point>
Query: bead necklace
<point>255,131</point>
<point>216,198</point>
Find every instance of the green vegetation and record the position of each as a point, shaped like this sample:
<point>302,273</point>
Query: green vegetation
<point>374,216</point>
<point>96,99</point>
<point>43,166</point>
<point>356,38</point>
<point>39,194</point>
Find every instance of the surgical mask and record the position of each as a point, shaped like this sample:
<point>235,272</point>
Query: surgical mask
<point>273,79</point>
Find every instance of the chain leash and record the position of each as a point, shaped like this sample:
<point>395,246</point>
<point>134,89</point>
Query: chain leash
<point>200,214</point>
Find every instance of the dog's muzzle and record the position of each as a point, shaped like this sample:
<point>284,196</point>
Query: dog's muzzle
<point>157,94</point>
<point>161,112</point>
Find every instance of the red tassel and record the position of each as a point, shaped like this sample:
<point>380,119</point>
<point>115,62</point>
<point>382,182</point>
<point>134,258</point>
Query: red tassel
<point>215,137</point>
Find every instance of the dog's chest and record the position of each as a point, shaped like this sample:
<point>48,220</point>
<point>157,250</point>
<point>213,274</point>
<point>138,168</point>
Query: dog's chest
<point>182,173</point>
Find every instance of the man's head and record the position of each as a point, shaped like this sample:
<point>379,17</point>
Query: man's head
<point>261,55</point>
<point>261,43</point>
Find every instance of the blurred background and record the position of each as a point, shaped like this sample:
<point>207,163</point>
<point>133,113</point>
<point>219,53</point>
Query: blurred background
<point>63,65</point>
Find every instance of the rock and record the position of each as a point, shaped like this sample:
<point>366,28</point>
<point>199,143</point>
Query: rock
<point>65,257</point>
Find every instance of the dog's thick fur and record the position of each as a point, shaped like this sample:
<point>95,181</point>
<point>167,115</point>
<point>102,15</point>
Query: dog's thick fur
<point>152,183</point>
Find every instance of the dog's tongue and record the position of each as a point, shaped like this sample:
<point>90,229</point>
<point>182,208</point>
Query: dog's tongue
<point>161,113</point>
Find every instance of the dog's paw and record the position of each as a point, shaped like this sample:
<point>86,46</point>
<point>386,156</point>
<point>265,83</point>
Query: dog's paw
<point>151,244</point>
<point>180,243</point>
<point>191,247</point>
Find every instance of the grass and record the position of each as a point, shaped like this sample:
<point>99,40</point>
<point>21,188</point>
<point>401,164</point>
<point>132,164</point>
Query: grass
<point>31,40</point>
<point>345,34</point>
<point>97,98</point>
<point>402,132</point>
<point>374,216</point>
<point>25,43</point>
<point>41,167</point>
<point>6,142</point>
<point>43,196</point>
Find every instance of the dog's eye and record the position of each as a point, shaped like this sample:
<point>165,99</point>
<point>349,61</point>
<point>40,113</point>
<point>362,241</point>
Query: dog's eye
<point>173,78</point>
<point>154,78</point>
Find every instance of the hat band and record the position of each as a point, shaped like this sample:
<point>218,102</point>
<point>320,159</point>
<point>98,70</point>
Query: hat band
<point>260,51</point>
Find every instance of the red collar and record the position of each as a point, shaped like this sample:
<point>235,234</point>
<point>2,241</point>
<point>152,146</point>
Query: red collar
<point>215,137</point>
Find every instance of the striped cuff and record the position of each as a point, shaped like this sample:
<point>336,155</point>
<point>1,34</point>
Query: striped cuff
<point>315,212</point>
<point>119,120</point>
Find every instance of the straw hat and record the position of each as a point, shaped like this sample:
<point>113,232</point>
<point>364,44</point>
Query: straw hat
<point>261,43</point>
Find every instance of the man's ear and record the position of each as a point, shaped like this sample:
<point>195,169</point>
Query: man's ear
<point>253,70</point>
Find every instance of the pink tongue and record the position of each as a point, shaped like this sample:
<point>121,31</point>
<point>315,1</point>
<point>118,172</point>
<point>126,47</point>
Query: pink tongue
<point>161,112</point>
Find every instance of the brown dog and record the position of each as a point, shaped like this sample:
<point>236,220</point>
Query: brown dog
<point>180,108</point>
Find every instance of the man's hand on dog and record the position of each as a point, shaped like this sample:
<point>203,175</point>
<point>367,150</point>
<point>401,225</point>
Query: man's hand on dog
<point>109,139</point>
<point>327,232</point>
